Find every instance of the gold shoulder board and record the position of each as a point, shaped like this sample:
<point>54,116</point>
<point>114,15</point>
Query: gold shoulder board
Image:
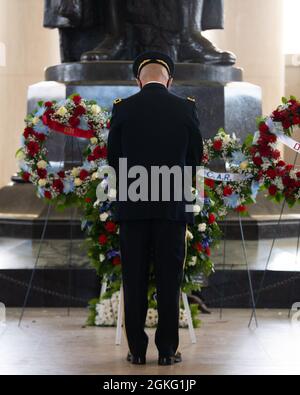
<point>117,101</point>
<point>191,99</point>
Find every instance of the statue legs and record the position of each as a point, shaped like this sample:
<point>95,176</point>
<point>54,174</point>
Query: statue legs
<point>194,47</point>
<point>113,45</point>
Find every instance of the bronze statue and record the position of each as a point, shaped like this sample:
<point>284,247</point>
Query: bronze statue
<point>120,29</point>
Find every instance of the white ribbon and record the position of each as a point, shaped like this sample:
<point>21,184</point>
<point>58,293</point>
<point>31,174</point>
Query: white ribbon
<point>224,177</point>
<point>277,129</point>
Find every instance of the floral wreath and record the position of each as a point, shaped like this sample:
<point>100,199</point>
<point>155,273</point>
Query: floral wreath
<point>237,188</point>
<point>75,117</point>
<point>281,180</point>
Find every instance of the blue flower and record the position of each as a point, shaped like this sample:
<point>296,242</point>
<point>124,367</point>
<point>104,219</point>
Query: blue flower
<point>68,186</point>
<point>41,128</point>
<point>105,207</point>
<point>41,192</point>
<point>112,254</point>
<point>83,124</point>
<point>237,158</point>
<point>232,201</point>
<point>40,111</point>
<point>254,189</point>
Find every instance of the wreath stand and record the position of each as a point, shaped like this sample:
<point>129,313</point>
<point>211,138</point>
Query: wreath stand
<point>120,319</point>
<point>260,289</point>
<point>41,241</point>
<point>254,314</point>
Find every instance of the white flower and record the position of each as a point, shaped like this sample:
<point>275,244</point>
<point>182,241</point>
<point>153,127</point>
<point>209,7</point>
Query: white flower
<point>94,140</point>
<point>96,109</point>
<point>152,318</point>
<point>244,165</point>
<point>20,155</point>
<point>78,182</point>
<point>42,164</point>
<point>102,258</point>
<point>193,261</point>
<point>95,176</point>
<point>189,235</point>
<point>42,182</point>
<point>62,111</point>
<point>202,227</point>
<point>75,172</point>
<point>35,120</point>
<point>103,217</point>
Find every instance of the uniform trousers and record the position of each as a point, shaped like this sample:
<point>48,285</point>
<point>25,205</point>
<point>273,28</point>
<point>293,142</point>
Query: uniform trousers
<point>164,242</point>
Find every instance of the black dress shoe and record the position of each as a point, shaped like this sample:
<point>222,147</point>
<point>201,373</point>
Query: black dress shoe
<point>170,360</point>
<point>136,360</point>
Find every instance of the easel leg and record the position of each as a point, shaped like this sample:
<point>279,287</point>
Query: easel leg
<point>35,265</point>
<point>249,273</point>
<point>120,318</point>
<point>189,318</point>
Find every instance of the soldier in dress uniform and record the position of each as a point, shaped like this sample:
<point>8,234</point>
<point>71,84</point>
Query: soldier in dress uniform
<point>153,128</point>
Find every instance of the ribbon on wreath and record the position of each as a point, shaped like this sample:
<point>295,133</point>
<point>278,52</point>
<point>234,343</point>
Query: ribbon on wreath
<point>225,177</point>
<point>69,130</point>
<point>276,128</point>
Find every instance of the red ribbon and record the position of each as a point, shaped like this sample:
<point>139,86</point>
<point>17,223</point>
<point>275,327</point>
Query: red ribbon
<point>70,131</point>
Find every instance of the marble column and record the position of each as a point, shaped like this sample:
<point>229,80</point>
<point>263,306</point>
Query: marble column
<point>29,48</point>
<point>254,32</point>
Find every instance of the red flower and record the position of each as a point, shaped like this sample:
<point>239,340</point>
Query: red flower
<point>26,176</point>
<point>33,148</point>
<point>227,191</point>
<point>108,124</point>
<point>289,167</point>
<point>103,239</point>
<point>286,124</point>
<point>100,153</point>
<point>273,190</point>
<point>74,122</point>
<point>28,132</point>
<point>218,144</point>
<point>198,247</point>
<point>80,110</point>
<point>209,183</point>
<point>83,175</point>
<point>48,104</point>
<point>58,185</point>
<point>48,195</point>
<point>77,99</point>
<point>88,200</point>
<point>271,173</point>
<point>61,174</point>
<point>281,163</point>
<point>211,219</point>
<point>91,158</point>
<point>116,261</point>
<point>40,136</point>
<point>42,173</point>
<point>276,154</point>
<point>111,227</point>
<point>241,209</point>
<point>263,127</point>
<point>258,161</point>
<point>208,251</point>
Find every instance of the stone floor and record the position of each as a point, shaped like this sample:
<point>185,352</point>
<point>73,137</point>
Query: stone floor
<point>21,253</point>
<point>51,342</point>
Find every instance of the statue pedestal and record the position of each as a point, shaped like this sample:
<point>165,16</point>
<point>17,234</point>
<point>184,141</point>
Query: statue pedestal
<point>223,99</point>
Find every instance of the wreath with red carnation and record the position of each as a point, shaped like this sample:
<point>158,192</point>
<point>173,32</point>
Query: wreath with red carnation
<point>238,187</point>
<point>74,117</point>
<point>281,180</point>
